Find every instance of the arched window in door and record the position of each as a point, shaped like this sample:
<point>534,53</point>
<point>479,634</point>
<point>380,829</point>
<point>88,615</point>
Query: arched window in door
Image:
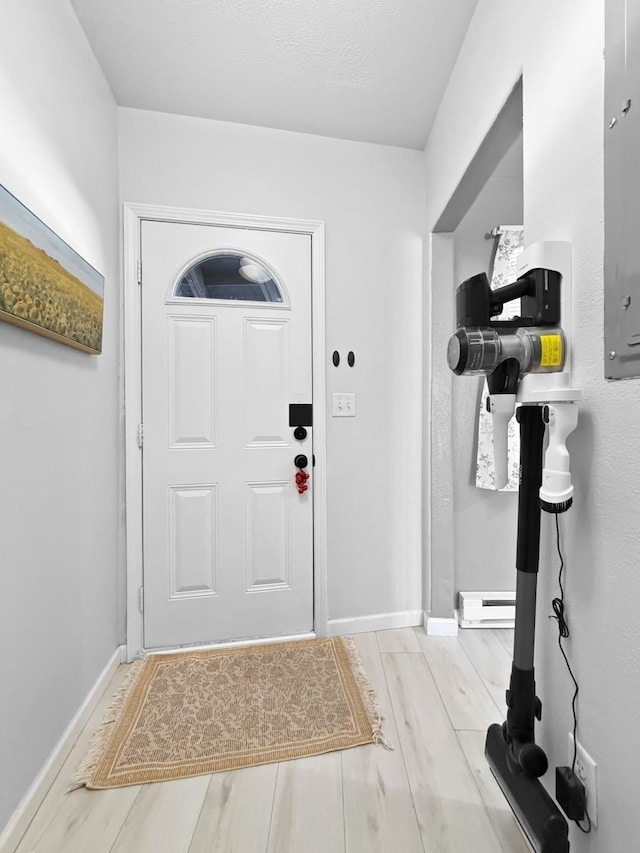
<point>230,275</point>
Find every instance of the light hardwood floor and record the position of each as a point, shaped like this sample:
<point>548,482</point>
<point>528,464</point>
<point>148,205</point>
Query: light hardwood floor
<point>433,792</point>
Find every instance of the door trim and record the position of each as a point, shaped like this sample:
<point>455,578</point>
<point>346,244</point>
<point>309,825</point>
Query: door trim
<point>133,215</point>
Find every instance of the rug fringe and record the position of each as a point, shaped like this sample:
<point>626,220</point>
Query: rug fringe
<point>367,691</point>
<point>97,745</point>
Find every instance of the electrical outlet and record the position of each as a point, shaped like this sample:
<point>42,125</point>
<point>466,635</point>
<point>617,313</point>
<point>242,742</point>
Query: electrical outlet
<point>587,773</point>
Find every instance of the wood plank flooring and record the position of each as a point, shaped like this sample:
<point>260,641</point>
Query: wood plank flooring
<point>433,792</point>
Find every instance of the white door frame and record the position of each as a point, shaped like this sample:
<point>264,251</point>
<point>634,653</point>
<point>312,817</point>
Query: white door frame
<point>133,215</point>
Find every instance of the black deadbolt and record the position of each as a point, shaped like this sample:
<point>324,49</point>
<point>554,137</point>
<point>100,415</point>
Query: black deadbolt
<point>351,359</point>
<point>301,461</point>
<point>300,433</point>
<point>300,414</point>
<point>336,358</point>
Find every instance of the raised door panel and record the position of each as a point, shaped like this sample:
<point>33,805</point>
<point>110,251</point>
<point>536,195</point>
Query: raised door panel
<point>268,536</point>
<point>193,541</point>
<point>267,382</point>
<point>192,357</point>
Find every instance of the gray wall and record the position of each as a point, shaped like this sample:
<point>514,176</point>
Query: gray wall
<point>561,61</point>
<point>61,606</point>
<point>371,199</point>
<point>484,521</point>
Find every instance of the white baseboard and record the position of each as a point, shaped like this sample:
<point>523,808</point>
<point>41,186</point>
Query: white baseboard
<point>439,627</point>
<point>377,622</point>
<point>32,800</point>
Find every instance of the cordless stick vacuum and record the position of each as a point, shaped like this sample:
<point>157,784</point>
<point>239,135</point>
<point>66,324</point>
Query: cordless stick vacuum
<point>526,361</point>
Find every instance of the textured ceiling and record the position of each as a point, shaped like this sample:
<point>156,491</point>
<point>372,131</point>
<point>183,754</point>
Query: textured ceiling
<point>370,70</point>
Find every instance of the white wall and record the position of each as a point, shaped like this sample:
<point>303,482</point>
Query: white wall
<point>484,521</point>
<point>562,62</point>
<point>372,201</point>
<point>61,607</point>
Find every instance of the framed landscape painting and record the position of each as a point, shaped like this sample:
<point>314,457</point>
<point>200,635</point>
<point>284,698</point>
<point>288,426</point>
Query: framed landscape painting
<point>46,287</point>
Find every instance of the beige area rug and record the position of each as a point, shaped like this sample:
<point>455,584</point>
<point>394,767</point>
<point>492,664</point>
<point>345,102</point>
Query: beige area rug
<point>189,713</point>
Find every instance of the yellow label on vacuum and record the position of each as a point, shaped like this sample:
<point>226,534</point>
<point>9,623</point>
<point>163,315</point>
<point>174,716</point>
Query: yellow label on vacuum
<point>551,350</point>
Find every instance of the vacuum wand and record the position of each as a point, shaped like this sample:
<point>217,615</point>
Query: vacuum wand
<point>515,759</point>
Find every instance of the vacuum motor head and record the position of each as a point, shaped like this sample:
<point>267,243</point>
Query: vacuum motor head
<point>537,350</point>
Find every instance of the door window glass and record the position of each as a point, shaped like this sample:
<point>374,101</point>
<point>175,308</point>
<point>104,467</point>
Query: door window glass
<point>229,275</point>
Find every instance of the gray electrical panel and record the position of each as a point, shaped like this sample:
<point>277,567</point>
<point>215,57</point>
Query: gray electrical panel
<point>622,190</point>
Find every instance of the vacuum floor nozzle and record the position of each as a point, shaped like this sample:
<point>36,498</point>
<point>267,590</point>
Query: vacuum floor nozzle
<point>535,810</point>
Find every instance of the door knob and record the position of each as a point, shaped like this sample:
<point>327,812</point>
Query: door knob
<point>301,461</point>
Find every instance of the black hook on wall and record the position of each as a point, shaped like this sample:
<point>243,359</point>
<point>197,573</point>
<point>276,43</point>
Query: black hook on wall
<point>351,358</point>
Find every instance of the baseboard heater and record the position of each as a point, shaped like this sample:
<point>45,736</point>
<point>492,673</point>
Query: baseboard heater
<point>487,609</point>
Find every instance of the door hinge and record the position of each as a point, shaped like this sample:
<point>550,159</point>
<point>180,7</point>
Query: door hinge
<point>141,599</point>
<point>140,435</point>
<point>139,272</point>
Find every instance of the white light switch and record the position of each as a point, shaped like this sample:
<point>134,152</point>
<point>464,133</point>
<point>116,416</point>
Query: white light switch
<point>344,405</point>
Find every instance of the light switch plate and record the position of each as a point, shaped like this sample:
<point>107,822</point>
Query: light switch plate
<point>344,405</point>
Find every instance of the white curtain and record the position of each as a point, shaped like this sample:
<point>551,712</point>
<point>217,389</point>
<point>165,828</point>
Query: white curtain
<point>510,245</point>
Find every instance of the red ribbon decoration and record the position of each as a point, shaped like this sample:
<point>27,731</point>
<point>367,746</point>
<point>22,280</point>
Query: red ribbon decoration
<point>301,482</point>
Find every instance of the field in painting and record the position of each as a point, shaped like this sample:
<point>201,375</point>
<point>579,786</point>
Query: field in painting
<point>35,288</point>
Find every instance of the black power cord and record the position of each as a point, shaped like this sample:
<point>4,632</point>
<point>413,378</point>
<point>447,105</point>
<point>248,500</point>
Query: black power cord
<point>563,632</point>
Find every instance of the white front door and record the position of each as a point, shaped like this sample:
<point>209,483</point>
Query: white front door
<point>226,348</point>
